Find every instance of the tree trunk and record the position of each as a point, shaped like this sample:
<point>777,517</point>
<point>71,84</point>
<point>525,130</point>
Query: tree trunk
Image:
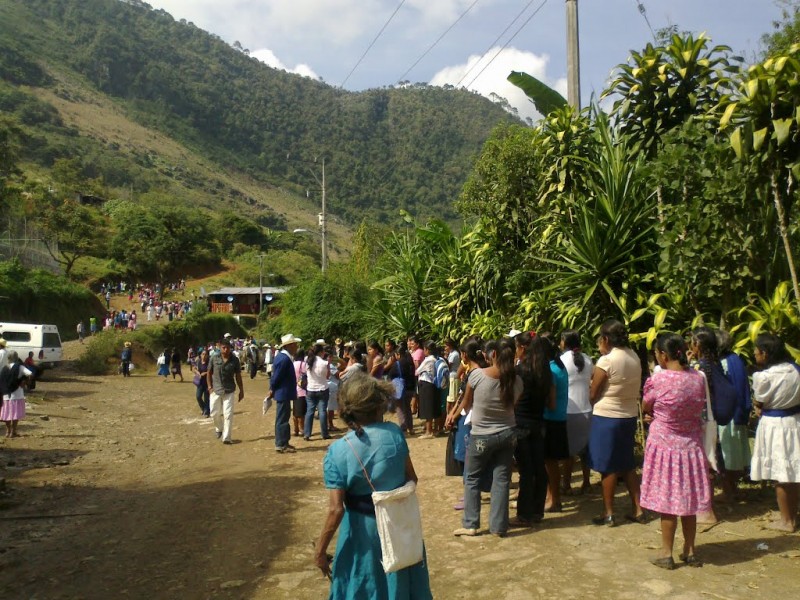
<point>784,229</point>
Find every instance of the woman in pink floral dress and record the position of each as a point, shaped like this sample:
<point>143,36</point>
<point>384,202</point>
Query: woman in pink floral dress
<point>674,479</point>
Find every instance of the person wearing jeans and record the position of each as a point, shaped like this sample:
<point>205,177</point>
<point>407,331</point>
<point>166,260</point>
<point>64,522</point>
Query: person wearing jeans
<point>283,389</point>
<point>317,390</point>
<point>488,454</point>
<point>491,394</point>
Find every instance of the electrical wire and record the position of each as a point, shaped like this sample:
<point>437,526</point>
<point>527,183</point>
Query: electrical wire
<point>494,43</point>
<point>528,20</point>
<point>385,25</point>
<point>432,46</point>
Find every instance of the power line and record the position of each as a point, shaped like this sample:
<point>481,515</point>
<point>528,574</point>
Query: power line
<point>528,20</point>
<point>432,46</point>
<point>385,25</point>
<point>492,45</point>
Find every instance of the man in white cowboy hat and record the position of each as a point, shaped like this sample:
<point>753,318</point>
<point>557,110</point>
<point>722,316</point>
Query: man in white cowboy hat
<point>283,390</point>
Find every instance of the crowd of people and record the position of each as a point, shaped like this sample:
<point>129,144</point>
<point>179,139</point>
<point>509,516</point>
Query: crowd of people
<point>541,403</point>
<point>534,403</point>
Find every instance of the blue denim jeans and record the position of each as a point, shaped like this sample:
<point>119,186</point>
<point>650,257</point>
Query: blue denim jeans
<point>492,453</point>
<point>314,400</point>
<point>283,432</point>
<point>202,394</point>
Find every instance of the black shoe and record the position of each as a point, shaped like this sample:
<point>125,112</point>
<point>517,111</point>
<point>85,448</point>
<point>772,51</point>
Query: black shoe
<point>664,563</point>
<point>327,437</point>
<point>227,442</point>
<point>604,520</point>
<point>691,560</point>
<point>218,434</point>
<point>306,438</point>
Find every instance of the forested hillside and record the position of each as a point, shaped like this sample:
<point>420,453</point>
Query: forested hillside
<point>386,149</point>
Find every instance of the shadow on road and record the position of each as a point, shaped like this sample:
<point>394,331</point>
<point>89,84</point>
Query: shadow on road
<point>213,539</point>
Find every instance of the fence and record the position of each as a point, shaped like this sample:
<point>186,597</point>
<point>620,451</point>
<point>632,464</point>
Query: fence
<point>22,241</point>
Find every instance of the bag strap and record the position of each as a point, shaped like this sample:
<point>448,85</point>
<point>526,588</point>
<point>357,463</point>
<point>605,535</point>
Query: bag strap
<point>369,481</point>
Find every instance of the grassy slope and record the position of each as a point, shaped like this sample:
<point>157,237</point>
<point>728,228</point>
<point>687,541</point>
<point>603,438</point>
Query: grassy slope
<point>97,117</point>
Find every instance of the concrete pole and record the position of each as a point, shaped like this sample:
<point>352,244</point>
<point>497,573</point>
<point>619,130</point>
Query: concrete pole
<point>323,224</point>
<point>573,56</point>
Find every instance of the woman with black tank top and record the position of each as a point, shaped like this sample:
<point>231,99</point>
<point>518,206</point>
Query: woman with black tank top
<point>537,392</point>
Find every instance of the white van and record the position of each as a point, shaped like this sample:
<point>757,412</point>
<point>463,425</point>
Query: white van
<point>43,340</point>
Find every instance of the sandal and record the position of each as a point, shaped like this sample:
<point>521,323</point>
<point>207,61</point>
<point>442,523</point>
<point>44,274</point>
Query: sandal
<point>608,520</point>
<point>663,563</point>
<point>690,560</point>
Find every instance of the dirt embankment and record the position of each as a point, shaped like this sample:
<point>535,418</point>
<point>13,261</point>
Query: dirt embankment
<point>118,489</point>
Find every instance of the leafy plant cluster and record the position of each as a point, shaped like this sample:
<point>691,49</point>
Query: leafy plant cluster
<point>675,209</point>
<point>28,294</point>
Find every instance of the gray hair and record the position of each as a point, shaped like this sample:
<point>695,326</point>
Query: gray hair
<point>12,356</point>
<point>362,398</point>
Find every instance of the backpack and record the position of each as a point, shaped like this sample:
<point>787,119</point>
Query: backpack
<point>441,378</point>
<point>724,398</point>
<point>9,379</point>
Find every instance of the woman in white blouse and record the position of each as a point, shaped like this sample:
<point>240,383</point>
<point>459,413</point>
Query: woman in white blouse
<point>776,455</point>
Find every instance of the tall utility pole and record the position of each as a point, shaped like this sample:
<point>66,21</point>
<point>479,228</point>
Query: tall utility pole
<point>573,56</point>
<point>322,223</point>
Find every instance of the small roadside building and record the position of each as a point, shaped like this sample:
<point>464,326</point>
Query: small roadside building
<point>243,300</point>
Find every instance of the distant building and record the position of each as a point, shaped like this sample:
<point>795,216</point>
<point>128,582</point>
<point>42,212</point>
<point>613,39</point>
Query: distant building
<point>243,300</point>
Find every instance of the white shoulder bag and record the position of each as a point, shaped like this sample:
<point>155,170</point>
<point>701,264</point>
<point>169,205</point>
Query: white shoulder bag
<point>709,430</point>
<point>399,523</point>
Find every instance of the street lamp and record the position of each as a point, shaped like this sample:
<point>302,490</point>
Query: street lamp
<point>301,230</point>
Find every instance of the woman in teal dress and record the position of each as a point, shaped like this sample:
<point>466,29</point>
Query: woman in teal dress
<point>356,572</point>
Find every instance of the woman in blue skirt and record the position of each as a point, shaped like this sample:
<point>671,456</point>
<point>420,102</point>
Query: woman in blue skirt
<point>614,394</point>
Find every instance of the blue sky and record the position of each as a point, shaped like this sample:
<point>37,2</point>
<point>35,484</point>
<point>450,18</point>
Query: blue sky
<point>325,38</point>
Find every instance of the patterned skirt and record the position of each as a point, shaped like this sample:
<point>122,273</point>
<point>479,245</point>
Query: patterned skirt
<point>675,477</point>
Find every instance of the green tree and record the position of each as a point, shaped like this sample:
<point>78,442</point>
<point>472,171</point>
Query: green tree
<point>762,118</point>
<point>70,230</point>
<point>662,86</point>
<point>787,30</point>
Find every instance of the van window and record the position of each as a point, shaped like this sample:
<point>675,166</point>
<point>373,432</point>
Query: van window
<point>51,340</point>
<point>17,336</point>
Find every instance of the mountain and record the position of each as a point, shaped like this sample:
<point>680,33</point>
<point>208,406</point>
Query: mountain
<point>149,103</point>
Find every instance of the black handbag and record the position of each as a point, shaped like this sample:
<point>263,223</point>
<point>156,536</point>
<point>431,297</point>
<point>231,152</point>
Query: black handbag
<point>452,467</point>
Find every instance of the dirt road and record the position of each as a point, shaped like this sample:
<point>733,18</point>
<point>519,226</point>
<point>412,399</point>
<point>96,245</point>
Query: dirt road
<point>118,489</point>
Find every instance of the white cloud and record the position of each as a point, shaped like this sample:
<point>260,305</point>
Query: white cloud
<point>268,57</point>
<point>493,80</point>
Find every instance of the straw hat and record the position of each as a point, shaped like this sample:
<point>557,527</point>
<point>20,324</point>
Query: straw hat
<point>2,342</point>
<point>127,344</point>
